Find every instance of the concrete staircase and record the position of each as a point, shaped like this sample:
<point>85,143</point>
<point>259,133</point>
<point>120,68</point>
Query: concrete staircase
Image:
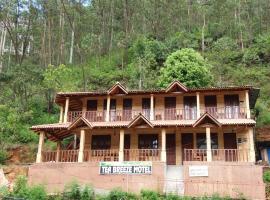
<point>174,180</point>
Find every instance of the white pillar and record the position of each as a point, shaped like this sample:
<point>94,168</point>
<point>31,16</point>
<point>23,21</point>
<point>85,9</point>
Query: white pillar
<point>247,105</point>
<point>152,107</point>
<point>252,157</point>
<point>121,145</point>
<point>66,110</point>
<point>82,142</point>
<point>58,149</point>
<point>198,105</point>
<point>61,114</point>
<point>208,144</point>
<point>163,145</point>
<point>40,147</point>
<point>108,108</point>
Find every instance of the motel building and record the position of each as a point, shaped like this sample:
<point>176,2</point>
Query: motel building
<point>189,141</point>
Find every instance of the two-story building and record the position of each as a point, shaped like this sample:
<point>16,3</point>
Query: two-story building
<point>168,128</point>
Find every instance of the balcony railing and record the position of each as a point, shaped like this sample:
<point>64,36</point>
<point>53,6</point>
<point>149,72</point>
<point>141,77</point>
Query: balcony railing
<point>225,155</point>
<point>101,155</point>
<point>62,156</point>
<point>229,112</point>
<point>142,154</point>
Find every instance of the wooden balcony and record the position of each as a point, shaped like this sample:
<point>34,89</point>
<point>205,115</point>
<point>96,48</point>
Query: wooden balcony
<point>101,155</point>
<point>225,155</point>
<point>228,112</point>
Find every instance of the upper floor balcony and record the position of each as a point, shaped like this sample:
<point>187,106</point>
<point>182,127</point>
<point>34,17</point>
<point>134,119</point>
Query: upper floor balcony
<point>228,112</point>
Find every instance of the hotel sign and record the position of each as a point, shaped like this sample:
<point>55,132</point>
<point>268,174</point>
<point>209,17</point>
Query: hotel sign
<point>126,167</point>
<point>198,171</point>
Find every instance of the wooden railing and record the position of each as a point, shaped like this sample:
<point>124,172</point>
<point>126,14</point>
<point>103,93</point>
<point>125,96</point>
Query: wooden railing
<point>62,156</point>
<point>175,114</point>
<point>228,112</point>
<point>142,154</point>
<point>126,115</point>
<point>225,155</point>
<point>92,116</point>
<point>101,155</point>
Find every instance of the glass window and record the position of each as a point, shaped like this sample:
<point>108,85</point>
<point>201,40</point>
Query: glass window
<point>101,142</point>
<point>148,141</point>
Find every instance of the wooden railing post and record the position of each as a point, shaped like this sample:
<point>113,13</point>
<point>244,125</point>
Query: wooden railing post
<point>66,110</point>
<point>163,145</point>
<point>82,142</point>
<point>121,145</point>
<point>152,107</point>
<point>208,144</point>
<point>40,147</point>
<point>58,149</point>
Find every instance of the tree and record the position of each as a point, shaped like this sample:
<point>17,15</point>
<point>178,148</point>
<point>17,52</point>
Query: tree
<point>187,66</point>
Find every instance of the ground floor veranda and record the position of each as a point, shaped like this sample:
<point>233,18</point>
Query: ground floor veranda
<point>172,145</point>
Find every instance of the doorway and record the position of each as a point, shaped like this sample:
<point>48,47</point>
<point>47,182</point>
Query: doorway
<point>170,149</point>
<point>187,143</point>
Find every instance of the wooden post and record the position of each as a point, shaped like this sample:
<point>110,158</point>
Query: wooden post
<point>198,105</point>
<point>66,110</point>
<point>178,144</point>
<point>61,114</point>
<point>121,145</point>
<point>208,144</point>
<point>58,149</point>
<point>108,109</point>
<point>247,105</point>
<point>84,107</point>
<point>194,140</point>
<point>220,139</point>
<point>82,142</point>
<point>152,107</point>
<point>252,157</point>
<point>40,147</point>
<point>163,145</point>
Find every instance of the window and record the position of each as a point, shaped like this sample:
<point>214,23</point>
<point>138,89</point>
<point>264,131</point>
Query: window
<point>148,141</point>
<point>201,141</point>
<point>101,142</point>
<point>190,107</point>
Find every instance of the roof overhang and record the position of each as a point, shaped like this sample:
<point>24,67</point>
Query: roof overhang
<point>207,120</point>
<point>81,121</point>
<point>140,121</point>
<point>176,86</point>
<point>117,88</point>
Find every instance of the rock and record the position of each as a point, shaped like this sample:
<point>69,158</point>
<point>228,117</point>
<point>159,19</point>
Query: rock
<point>3,180</point>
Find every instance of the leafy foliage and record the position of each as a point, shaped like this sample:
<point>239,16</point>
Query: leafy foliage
<point>187,66</point>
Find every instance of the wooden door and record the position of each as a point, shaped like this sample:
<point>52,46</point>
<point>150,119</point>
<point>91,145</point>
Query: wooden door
<point>190,107</point>
<point>113,116</point>
<point>92,108</point>
<point>187,143</point>
<point>146,107</point>
<point>231,106</point>
<point>211,104</point>
<point>230,146</point>
<point>170,149</point>
<point>127,109</point>
<point>170,108</point>
<point>126,147</point>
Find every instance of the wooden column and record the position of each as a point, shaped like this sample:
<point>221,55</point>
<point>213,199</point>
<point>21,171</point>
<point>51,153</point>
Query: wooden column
<point>247,105</point>
<point>208,144</point>
<point>252,157</point>
<point>178,143</point>
<point>163,145</point>
<point>61,114</point>
<point>194,140</point>
<point>84,107</point>
<point>82,142</point>
<point>198,105</point>
<point>40,147</point>
<point>108,108</point>
<point>152,107</point>
<point>66,110</point>
<point>220,139</point>
<point>121,145</point>
<point>58,149</point>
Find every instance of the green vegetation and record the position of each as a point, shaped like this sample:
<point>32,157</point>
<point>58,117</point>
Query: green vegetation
<point>50,46</point>
<point>74,191</point>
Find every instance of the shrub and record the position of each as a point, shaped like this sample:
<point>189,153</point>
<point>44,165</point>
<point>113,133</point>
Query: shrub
<point>3,156</point>
<point>149,195</point>
<point>118,194</point>
<point>266,177</point>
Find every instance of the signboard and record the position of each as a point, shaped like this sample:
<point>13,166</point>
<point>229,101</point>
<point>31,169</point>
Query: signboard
<point>198,170</point>
<point>126,167</point>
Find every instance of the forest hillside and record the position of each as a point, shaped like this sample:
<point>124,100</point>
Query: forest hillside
<point>67,45</point>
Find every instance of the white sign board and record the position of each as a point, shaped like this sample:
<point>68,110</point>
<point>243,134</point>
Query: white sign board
<point>198,170</point>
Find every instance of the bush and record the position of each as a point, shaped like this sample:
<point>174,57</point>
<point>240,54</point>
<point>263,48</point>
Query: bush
<point>266,177</point>
<point>73,191</point>
<point>149,195</point>
<point>3,156</point>
<point>118,194</point>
